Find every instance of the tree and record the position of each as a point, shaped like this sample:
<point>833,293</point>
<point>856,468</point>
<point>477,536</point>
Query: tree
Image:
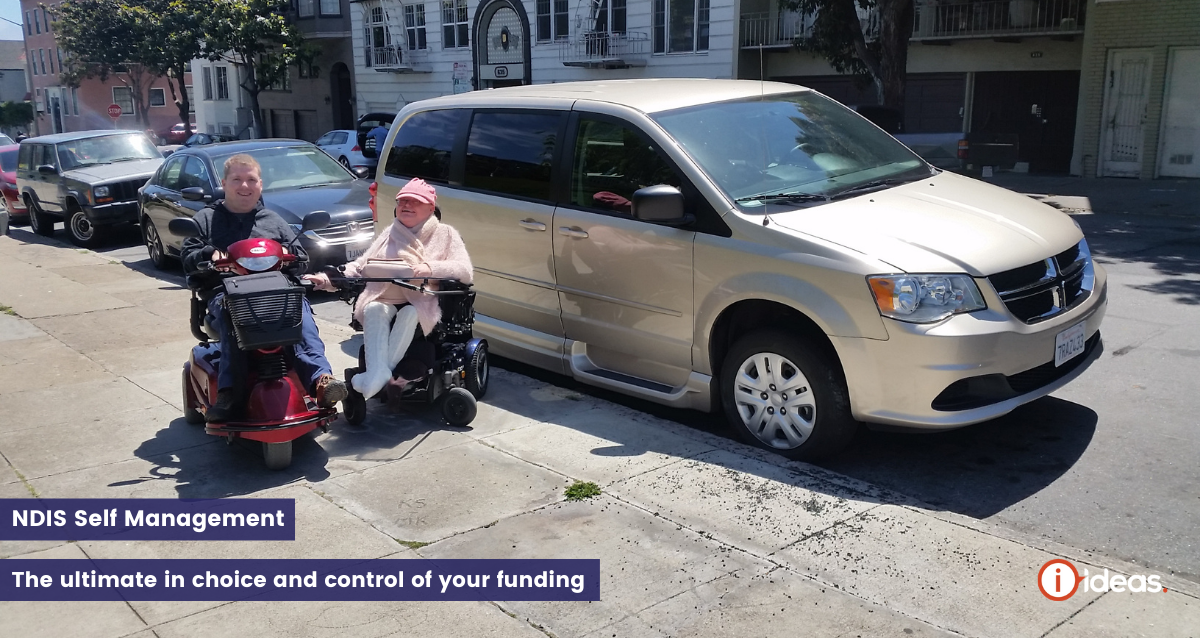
<point>104,39</point>
<point>136,41</point>
<point>15,115</point>
<point>254,35</point>
<point>838,36</point>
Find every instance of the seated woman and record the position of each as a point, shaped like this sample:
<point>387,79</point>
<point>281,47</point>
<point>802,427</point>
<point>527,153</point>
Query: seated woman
<point>415,246</point>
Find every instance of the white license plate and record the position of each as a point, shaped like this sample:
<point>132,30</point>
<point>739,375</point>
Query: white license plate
<point>1069,344</point>
<point>355,253</point>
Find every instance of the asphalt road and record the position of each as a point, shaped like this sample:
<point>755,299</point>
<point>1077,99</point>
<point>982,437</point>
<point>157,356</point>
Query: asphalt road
<point>1108,464</point>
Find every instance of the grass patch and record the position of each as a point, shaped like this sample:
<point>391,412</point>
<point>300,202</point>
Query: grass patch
<point>412,544</point>
<point>581,490</point>
<point>7,310</point>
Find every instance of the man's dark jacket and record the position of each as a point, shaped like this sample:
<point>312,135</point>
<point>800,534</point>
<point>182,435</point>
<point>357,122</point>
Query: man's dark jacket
<point>219,228</point>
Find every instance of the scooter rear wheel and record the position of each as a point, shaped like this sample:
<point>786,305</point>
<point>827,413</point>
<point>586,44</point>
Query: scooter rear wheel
<point>277,455</point>
<point>190,414</point>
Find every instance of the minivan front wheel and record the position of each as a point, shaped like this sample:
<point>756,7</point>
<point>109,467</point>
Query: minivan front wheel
<point>784,394</point>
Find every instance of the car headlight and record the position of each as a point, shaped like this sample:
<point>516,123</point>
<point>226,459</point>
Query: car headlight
<point>925,298</point>
<point>258,264</point>
<point>100,191</point>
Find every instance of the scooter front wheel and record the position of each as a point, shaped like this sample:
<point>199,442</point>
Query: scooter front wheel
<point>277,455</point>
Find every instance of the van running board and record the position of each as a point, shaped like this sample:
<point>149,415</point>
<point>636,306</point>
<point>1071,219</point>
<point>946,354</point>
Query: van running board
<point>695,393</point>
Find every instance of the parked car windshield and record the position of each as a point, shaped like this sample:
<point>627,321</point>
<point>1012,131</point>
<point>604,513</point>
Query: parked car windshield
<point>788,147</point>
<point>8,161</point>
<point>292,167</point>
<point>108,149</point>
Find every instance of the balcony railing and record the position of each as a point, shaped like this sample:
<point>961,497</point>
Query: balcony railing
<point>959,19</point>
<point>606,50</point>
<point>769,31</point>
<point>397,59</point>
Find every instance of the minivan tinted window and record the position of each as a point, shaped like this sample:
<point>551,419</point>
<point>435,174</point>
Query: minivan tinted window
<point>611,162</point>
<point>512,153</point>
<point>422,146</point>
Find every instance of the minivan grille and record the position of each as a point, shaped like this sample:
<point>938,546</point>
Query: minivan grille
<point>1038,291</point>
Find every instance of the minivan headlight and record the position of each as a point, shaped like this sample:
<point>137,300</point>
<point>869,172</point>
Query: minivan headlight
<point>925,298</point>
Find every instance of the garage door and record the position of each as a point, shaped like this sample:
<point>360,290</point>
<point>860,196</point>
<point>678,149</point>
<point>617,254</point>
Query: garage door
<point>1180,152</point>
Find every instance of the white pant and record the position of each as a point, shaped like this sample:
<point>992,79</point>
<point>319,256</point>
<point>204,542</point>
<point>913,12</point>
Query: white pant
<point>384,344</point>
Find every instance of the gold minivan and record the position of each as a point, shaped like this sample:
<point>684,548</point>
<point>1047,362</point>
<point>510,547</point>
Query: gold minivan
<point>750,247</point>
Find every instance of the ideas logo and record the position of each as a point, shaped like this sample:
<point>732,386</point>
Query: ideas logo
<point>1059,580</point>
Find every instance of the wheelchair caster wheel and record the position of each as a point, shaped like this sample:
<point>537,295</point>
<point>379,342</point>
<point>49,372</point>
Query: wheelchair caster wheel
<point>354,408</point>
<point>459,407</point>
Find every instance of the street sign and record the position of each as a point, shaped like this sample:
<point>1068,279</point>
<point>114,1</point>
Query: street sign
<point>114,111</point>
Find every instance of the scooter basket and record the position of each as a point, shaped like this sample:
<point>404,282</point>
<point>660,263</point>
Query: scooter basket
<point>265,308</point>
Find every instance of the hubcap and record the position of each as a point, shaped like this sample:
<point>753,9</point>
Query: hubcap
<point>81,227</point>
<point>152,245</point>
<point>775,401</point>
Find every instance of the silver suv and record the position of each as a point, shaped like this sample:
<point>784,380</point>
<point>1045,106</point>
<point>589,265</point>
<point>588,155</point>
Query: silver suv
<point>750,247</point>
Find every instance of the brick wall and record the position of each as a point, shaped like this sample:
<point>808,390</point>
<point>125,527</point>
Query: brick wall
<point>1152,25</point>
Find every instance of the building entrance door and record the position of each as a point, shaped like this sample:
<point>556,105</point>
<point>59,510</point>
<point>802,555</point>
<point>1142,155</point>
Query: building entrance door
<point>341,92</point>
<point>1123,132</point>
<point>501,45</point>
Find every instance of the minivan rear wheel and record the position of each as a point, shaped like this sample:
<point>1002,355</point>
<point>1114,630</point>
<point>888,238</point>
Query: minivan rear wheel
<point>784,394</point>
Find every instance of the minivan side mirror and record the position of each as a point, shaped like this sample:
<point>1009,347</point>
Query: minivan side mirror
<point>660,204</point>
<point>47,169</point>
<point>315,220</point>
<point>195,194</point>
<point>184,227</point>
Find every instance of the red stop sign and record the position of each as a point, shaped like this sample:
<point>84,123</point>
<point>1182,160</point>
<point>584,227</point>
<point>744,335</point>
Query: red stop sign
<point>114,111</point>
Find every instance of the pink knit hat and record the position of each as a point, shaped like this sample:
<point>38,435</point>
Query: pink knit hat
<point>418,189</point>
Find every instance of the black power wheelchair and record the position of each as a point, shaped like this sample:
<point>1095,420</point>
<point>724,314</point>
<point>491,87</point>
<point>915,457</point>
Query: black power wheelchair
<point>448,367</point>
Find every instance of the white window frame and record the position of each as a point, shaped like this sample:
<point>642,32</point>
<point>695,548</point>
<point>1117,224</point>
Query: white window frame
<point>191,94</point>
<point>324,8</point>
<point>222,82</point>
<point>415,26</point>
<point>557,16</point>
<point>306,8</point>
<point>128,99</point>
<point>457,11</point>
<point>75,100</point>
<point>700,8</point>
<point>163,93</point>
<point>206,79</point>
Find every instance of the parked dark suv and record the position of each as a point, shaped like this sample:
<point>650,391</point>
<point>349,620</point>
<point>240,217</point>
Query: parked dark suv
<point>87,179</point>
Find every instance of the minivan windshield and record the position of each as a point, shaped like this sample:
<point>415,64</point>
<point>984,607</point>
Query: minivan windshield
<point>106,149</point>
<point>790,147</point>
<point>292,167</point>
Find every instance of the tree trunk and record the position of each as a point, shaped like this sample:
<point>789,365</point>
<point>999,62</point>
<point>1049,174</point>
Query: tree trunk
<point>896,24</point>
<point>250,85</point>
<point>175,78</point>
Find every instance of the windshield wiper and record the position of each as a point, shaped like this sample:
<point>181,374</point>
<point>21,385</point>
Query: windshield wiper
<point>126,159</point>
<point>793,197</point>
<point>874,185</point>
<point>316,185</point>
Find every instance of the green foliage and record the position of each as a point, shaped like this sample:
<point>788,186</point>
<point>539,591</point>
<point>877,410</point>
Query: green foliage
<point>580,490</point>
<point>16,114</point>
<point>157,38</point>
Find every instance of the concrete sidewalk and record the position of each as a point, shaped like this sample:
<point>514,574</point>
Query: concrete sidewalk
<point>1109,195</point>
<point>697,535</point>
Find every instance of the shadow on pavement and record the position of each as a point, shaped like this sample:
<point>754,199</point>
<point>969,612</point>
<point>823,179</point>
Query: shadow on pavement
<point>978,470</point>
<point>204,466</point>
<point>1170,247</point>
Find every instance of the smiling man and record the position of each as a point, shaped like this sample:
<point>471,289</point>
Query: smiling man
<point>239,216</point>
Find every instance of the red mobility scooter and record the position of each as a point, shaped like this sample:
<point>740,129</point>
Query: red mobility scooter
<point>265,308</point>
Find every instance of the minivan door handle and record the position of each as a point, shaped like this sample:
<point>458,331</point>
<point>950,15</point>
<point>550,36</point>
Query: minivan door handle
<point>572,232</point>
<point>531,225</point>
